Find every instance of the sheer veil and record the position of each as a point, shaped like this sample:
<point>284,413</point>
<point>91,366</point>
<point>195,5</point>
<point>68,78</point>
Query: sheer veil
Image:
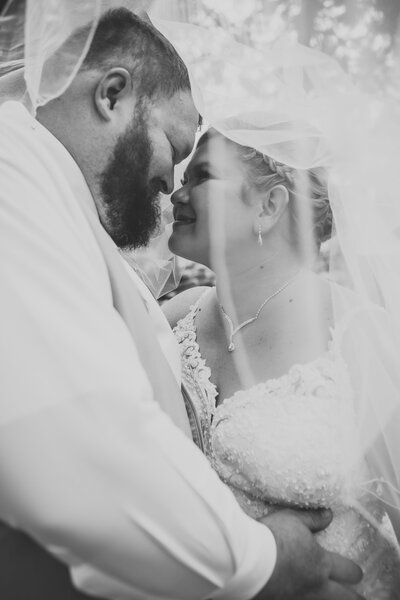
<point>37,42</point>
<point>298,107</point>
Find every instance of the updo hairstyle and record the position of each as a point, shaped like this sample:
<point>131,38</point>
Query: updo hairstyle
<point>263,173</point>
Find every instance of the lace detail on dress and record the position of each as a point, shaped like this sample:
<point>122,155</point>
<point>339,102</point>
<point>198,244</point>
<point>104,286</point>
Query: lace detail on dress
<point>195,373</point>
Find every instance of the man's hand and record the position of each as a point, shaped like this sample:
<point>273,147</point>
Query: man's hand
<point>304,570</point>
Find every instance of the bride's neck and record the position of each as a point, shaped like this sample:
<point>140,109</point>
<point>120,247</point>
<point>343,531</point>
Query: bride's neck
<point>242,291</point>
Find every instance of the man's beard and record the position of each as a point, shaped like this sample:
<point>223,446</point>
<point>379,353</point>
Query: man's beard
<point>131,202</point>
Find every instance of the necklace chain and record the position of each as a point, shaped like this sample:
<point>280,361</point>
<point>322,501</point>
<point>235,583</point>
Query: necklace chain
<point>234,330</point>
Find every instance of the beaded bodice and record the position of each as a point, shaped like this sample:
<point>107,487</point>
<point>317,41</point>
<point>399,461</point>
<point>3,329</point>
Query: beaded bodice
<point>287,441</point>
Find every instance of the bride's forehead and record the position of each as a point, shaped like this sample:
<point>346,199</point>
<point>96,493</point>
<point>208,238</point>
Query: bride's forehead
<point>215,149</point>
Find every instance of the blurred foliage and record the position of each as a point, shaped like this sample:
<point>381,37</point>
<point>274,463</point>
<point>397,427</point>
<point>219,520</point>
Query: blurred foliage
<point>364,35</point>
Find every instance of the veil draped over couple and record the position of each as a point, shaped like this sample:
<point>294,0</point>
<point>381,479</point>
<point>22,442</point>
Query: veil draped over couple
<point>289,365</point>
<point>291,358</point>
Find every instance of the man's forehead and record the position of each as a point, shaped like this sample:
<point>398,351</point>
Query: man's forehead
<point>181,105</point>
<point>182,119</point>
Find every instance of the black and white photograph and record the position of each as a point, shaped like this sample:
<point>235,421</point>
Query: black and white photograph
<point>200,299</point>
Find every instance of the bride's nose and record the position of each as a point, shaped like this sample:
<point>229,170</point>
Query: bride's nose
<point>181,196</point>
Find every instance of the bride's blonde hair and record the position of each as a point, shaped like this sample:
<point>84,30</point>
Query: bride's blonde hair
<point>263,173</point>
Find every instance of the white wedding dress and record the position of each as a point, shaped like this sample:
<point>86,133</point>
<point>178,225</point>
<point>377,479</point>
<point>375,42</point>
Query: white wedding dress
<point>286,441</point>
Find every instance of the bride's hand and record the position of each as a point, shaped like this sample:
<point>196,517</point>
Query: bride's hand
<point>304,570</point>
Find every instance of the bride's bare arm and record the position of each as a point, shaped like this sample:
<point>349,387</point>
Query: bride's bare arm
<point>179,305</point>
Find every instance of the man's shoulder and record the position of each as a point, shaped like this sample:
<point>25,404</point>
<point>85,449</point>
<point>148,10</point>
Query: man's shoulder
<point>13,114</point>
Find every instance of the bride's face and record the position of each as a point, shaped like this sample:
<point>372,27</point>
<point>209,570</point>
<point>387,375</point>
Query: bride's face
<point>211,220</point>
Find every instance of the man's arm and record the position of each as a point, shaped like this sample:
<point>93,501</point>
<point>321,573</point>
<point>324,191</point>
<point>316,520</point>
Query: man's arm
<point>133,502</point>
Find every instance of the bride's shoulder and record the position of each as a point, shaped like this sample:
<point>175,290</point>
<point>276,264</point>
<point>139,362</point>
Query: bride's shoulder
<point>179,306</point>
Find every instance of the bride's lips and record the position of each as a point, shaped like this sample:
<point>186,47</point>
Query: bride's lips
<point>181,218</point>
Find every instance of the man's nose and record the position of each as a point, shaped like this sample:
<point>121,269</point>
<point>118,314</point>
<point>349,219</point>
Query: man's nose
<point>167,184</point>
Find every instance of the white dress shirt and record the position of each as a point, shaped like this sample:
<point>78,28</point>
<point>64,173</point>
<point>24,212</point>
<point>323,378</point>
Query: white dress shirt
<point>89,464</point>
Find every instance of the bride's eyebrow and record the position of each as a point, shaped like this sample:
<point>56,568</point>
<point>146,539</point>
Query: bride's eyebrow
<point>195,170</point>
<point>204,165</point>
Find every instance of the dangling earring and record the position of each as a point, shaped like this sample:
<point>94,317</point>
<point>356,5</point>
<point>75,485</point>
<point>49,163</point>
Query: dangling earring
<point>260,240</point>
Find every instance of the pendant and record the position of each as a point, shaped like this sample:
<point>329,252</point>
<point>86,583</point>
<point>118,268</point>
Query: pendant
<point>231,347</point>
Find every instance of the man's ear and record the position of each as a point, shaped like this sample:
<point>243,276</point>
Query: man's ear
<point>274,204</point>
<point>114,87</point>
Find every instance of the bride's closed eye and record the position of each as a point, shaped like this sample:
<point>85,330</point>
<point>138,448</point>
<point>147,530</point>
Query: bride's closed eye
<point>196,178</point>
<point>202,174</point>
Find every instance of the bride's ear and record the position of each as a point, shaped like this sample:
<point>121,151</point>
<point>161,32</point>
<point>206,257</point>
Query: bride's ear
<point>274,205</point>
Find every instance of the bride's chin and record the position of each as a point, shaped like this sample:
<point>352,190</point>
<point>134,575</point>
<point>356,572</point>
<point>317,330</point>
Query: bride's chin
<point>178,248</point>
<point>175,245</point>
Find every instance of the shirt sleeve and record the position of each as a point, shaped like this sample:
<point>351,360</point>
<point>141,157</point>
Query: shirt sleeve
<point>133,508</point>
<point>89,464</point>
